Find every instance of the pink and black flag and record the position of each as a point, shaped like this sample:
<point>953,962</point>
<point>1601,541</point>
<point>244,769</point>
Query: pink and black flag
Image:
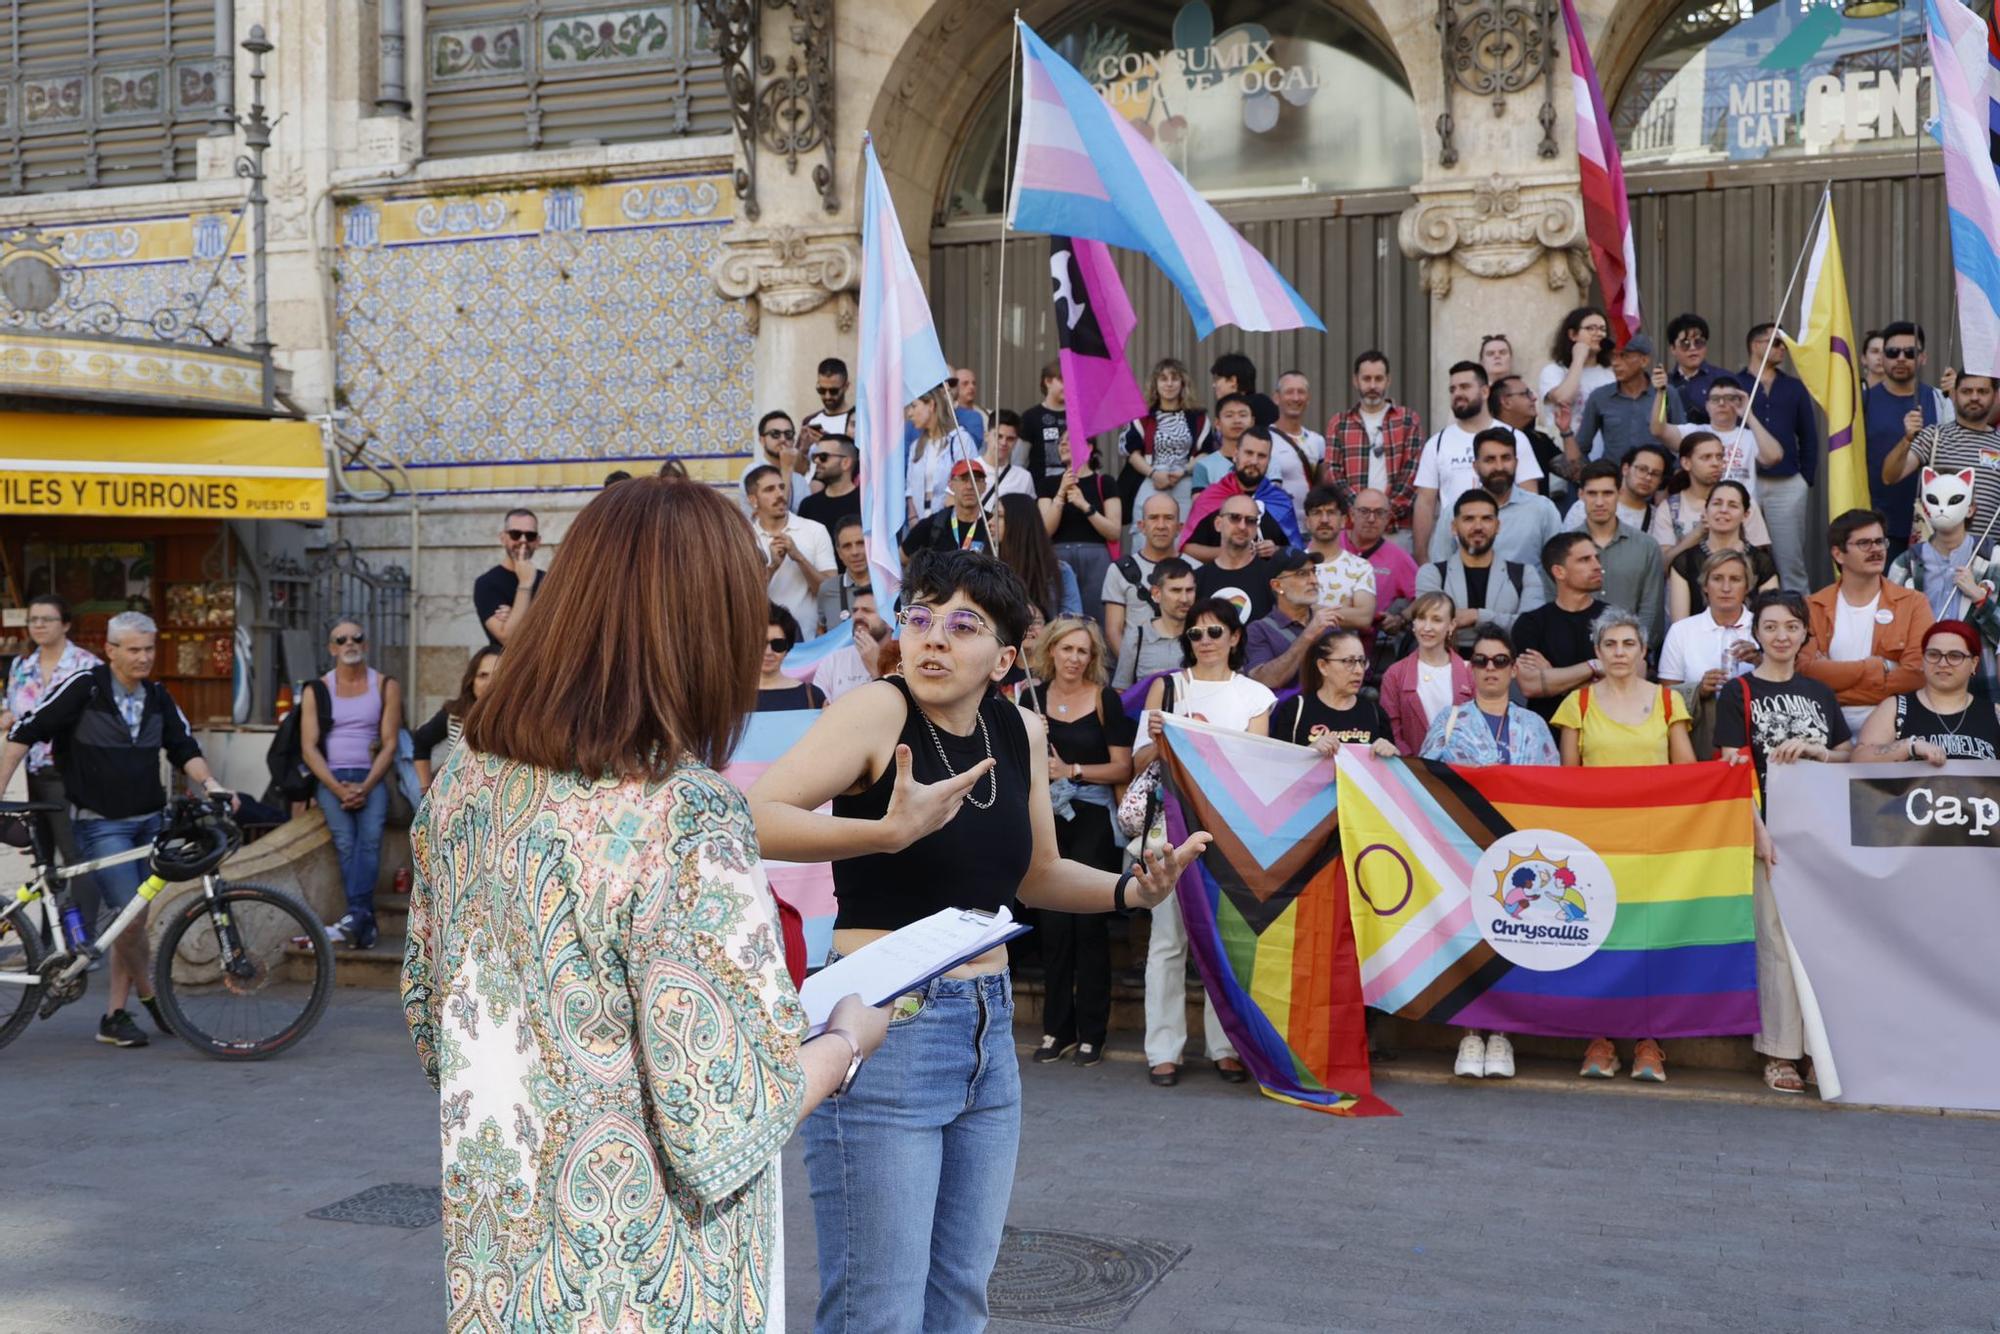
<point>1093,320</point>
<point>1607,218</point>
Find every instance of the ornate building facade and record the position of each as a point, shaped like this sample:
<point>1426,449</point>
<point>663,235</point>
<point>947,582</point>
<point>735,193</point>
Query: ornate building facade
<point>513,246</point>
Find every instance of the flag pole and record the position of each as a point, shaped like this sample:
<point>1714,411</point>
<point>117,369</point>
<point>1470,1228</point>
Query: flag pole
<point>1778,316</point>
<point>1006,205</point>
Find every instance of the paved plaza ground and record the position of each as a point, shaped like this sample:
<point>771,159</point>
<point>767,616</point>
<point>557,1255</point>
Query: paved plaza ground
<point>158,1192</point>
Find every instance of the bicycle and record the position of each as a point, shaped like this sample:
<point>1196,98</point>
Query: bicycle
<point>222,975</point>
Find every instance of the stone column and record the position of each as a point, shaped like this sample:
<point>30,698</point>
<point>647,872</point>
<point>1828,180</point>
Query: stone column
<point>800,280</point>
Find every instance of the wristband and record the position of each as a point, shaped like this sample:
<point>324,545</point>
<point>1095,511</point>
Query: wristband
<point>1118,904</point>
<point>854,1061</point>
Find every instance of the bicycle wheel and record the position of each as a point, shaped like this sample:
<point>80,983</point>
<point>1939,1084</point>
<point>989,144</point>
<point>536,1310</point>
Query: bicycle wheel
<point>20,952</point>
<point>224,978</point>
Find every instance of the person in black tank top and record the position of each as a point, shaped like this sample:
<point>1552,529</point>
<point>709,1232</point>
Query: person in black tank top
<point>940,799</point>
<point>1942,719</point>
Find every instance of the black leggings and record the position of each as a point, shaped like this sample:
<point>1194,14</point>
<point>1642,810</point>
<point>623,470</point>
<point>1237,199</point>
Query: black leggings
<point>1076,947</point>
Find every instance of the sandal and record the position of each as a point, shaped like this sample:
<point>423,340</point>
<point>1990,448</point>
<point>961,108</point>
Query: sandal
<point>1783,1077</point>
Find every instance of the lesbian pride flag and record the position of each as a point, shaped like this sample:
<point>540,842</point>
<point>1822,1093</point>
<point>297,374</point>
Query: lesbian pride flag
<point>1093,319</point>
<point>899,362</point>
<point>1266,912</point>
<point>1083,171</point>
<point>1575,903</point>
<point>1607,218</point>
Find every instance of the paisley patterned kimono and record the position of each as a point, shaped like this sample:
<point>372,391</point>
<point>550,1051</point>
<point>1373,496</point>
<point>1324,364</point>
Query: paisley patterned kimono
<point>595,983</point>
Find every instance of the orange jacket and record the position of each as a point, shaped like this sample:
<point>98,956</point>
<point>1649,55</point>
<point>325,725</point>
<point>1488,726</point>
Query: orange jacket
<point>1901,640</point>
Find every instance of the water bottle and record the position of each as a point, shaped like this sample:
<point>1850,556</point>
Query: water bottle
<point>73,928</point>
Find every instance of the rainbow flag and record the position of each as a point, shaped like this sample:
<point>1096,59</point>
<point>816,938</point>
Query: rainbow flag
<point>1266,912</point>
<point>1568,902</point>
<point>807,886</point>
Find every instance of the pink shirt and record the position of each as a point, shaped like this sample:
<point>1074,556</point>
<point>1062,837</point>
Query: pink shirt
<point>1395,571</point>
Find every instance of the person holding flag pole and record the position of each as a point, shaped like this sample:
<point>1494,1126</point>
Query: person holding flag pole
<point>1828,366</point>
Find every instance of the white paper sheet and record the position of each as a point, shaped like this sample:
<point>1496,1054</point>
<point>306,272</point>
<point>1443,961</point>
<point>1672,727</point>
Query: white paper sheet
<point>904,960</point>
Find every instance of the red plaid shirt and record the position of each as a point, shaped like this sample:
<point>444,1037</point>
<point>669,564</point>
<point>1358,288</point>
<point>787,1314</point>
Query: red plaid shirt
<point>1402,443</point>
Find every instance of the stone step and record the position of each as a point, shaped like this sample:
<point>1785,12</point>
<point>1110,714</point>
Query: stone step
<point>379,968</point>
<point>392,913</point>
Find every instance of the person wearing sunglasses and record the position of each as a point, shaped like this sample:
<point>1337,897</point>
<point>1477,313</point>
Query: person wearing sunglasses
<point>1892,413</point>
<point>836,464</point>
<point>351,752</point>
<point>1691,373</point>
<point>1211,688</point>
<point>1967,441</point>
<point>502,595</point>
<point>1942,719</point>
<point>1328,712</point>
<point>1867,632</point>
<point>940,792</point>
<point>776,692</point>
<point>778,447</point>
<point>833,416</point>
<point>1489,729</point>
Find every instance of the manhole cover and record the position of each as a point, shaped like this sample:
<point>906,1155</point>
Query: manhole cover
<point>1069,1279</point>
<point>393,1204</point>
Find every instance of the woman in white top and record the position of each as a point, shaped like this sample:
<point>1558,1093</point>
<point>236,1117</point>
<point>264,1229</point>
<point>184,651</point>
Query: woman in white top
<point>1213,690</point>
<point>1579,362</point>
<point>940,442</point>
<point>1431,678</point>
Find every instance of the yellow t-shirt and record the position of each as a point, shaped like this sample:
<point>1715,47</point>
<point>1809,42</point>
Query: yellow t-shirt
<point>1606,742</point>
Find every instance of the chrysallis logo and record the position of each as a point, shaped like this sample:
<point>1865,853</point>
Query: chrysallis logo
<point>1542,900</point>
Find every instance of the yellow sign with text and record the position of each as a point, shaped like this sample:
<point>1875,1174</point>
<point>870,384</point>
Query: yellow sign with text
<point>65,466</point>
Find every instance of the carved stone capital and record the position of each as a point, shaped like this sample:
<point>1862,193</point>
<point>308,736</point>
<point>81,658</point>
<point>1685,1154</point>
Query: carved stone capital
<point>790,270</point>
<point>1497,229</point>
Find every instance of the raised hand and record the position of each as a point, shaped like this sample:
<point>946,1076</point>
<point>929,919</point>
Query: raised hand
<point>1159,871</point>
<point>916,809</point>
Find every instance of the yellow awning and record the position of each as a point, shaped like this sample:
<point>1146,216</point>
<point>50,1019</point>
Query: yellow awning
<point>61,465</point>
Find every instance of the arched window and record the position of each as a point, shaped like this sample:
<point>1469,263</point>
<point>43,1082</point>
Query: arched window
<point>1249,100</point>
<point>1767,80</point>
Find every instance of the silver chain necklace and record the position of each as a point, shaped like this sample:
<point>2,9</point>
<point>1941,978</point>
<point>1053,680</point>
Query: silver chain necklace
<point>992,775</point>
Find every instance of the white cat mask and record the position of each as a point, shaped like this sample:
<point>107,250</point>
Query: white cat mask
<point>1947,497</point>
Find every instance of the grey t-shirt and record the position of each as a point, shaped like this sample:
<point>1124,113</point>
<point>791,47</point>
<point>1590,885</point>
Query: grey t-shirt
<point>1144,652</point>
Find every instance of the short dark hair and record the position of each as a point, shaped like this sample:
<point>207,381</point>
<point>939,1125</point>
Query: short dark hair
<point>1238,368</point>
<point>1652,447</point>
<point>935,576</point>
<point>1783,598</point>
<point>1556,550</point>
<point>843,523</point>
<point>1225,611</point>
<point>1597,468</point>
<point>1902,329</point>
<point>1741,490</point>
<point>1007,417</point>
<point>754,476</point>
<point>1173,567</point>
<point>785,621</point>
<point>517,510</point>
<point>1495,392</point>
<point>1755,330</point>
<point>1869,337</point>
<point>1227,399</point>
<point>674,468</point>
<point>1497,435</point>
<point>1842,530</point>
<point>1327,495</point>
<point>771,416</point>
<point>615,476</point>
<point>1476,496</point>
<point>1494,631</point>
<point>1372,354</point>
<point>1685,323</point>
<point>1050,371</point>
<point>833,366</point>
<point>1474,367</point>
<point>1964,375</point>
<point>1312,675</point>
<point>55,600</point>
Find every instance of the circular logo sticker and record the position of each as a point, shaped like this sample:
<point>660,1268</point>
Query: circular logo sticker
<point>1542,900</point>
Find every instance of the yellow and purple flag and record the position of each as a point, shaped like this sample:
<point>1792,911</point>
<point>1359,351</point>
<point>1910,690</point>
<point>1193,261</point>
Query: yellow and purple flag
<point>1827,366</point>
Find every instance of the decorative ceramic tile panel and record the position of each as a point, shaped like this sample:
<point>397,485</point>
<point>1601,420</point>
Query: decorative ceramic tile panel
<point>538,337</point>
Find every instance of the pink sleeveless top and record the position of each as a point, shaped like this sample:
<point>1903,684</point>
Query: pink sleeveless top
<point>357,725</point>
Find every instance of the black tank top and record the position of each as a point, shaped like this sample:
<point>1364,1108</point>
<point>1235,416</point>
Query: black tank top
<point>977,860</point>
<point>1973,733</point>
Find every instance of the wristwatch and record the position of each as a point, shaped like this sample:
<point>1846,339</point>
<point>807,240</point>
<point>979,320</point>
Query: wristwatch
<point>1075,773</point>
<point>854,1061</point>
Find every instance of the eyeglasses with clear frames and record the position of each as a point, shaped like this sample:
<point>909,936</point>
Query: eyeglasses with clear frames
<point>960,624</point>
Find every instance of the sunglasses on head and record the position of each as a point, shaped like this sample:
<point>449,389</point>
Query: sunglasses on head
<point>1207,632</point>
<point>523,535</point>
<point>344,640</point>
<point>1495,660</point>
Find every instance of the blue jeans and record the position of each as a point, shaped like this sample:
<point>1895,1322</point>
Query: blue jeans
<point>911,1169</point>
<point>357,837</point>
<point>118,885</point>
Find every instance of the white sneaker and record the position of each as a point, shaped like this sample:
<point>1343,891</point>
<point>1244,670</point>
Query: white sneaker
<point>1499,1057</point>
<point>1471,1057</point>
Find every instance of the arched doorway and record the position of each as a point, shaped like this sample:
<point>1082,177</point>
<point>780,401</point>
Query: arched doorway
<point>1294,119</point>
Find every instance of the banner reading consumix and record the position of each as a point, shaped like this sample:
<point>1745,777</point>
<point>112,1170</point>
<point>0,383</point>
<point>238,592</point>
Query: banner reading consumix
<point>68,465</point>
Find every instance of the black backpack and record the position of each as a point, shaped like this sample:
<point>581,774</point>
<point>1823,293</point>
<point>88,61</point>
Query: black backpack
<point>290,778</point>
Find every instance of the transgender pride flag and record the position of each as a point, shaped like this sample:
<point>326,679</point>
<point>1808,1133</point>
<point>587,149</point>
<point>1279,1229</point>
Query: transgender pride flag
<point>899,362</point>
<point>1082,170</point>
<point>1607,218</point>
<point>1965,54</point>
